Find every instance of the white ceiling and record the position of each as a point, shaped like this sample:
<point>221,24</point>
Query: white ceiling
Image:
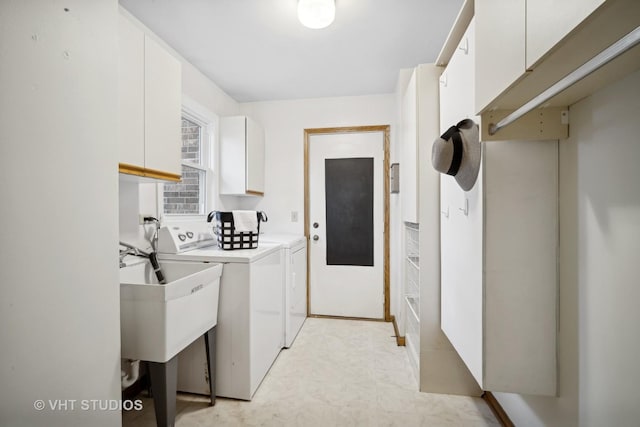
<point>256,50</point>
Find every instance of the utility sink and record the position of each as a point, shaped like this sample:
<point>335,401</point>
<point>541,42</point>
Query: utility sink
<point>158,321</point>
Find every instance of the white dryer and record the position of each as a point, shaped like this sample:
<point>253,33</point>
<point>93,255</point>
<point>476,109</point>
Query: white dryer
<point>295,281</point>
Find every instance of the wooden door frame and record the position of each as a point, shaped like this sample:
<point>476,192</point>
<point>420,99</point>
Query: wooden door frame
<point>385,167</point>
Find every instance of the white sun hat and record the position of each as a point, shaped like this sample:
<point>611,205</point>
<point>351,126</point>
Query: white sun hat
<point>457,153</point>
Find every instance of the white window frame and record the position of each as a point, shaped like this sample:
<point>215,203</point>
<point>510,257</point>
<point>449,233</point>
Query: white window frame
<point>208,124</point>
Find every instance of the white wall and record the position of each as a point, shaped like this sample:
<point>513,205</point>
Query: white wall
<point>284,123</point>
<point>59,293</point>
<point>599,270</point>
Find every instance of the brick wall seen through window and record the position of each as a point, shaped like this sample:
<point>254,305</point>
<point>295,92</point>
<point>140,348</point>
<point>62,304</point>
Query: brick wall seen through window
<point>187,196</point>
<point>191,137</point>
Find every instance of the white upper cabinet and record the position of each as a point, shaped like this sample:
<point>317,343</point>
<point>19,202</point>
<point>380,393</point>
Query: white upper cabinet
<point>457,86</point>
<point>526,46</point>
<point>498,246</point>
<point>130,93</point>
<point>549,21</point>
<point>241,157</point>
<point>255,158</point>
<point>163,109</point>
<point>409,188</point>
<point>501,46</point>
<point>150,105</point>
<point>419,115</point>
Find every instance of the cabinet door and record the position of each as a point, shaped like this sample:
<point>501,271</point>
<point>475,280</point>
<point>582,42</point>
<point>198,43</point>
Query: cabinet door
<point>500,44</point>
<point>163,109</point>
<point>255,159</point>
<point>130,93</point>
<point>461,227</point>
<point>548,21</point>
<point>457,84</point>
<point>408,168</point>
<point>232,155</point>
<point>461,234</point>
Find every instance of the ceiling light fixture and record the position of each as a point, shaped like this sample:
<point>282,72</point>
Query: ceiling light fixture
<point>316,14</point>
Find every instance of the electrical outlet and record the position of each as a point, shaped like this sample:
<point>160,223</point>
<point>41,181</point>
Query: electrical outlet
<point>294,216</point>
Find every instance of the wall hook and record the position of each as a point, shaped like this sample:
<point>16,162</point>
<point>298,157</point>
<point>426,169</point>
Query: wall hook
<point>443,79</point>
<point>465,210</point>
<point>464,46</point>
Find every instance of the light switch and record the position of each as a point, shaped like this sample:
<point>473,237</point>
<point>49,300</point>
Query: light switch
<point>394,178</point>
<point>294,216</point>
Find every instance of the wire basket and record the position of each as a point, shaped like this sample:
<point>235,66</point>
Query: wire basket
<point>225,231</point>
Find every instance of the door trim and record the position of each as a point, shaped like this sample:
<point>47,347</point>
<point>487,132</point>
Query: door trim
<point>385,167</point>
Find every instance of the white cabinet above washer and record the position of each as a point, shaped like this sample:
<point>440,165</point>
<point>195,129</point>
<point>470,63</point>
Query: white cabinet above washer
<point>241,157</point>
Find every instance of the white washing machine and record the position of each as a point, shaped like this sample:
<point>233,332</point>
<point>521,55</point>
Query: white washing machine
<point>295,281</point>
<point>250,315</point>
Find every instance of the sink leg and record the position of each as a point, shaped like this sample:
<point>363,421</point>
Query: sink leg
<point>164,383</point>
<point>210,346</point>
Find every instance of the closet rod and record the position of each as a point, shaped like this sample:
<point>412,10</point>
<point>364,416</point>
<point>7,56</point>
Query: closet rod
<point>607,55</point>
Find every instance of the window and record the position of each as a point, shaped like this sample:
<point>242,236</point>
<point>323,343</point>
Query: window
<point>188,197</point>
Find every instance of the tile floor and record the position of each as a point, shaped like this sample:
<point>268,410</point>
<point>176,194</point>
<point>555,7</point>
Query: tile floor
<point>337,373</point>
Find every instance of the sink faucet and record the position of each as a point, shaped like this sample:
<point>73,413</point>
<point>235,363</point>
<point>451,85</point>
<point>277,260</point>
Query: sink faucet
<point>130,250</point>
<point>152,256</point>
<point>153,238</point>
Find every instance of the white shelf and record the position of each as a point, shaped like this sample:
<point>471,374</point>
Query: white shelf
<point>412,295</point>
<point>412,282</point>
<point>412,335</point>
<point>413,303</point>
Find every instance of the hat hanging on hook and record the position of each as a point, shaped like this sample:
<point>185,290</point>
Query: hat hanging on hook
<point>457,153</point>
